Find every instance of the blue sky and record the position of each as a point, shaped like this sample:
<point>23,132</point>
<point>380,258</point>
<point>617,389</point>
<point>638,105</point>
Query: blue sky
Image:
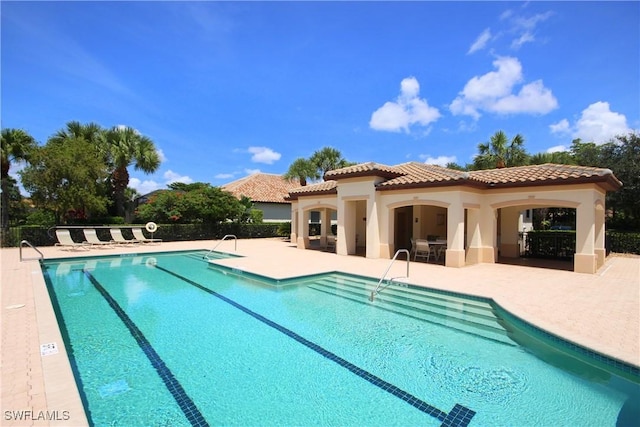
<point>225,89</point>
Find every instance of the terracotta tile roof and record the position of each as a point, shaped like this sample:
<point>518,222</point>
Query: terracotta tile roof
<point>326,187</point>
<point>363,169</point>
<point>262,187</point>
<point>418,174</point>
<point>543,174</point>
<point>421,175</point>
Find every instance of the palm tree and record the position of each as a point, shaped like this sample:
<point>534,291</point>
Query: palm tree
<point>17,145</point>
<point>90,132</point>
<point>302,169</point>
<point>328,159</point>
<point>500,153</point>
<point>127,146</point>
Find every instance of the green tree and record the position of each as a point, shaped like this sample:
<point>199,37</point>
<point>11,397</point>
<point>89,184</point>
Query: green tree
<point>90,132</point>
<point>17,145</point>
<point>622,156</point>
<point>317,165</point>
<point>499,152</point>
<point>455,166</point>
<point>67,176</point>
<point>559,157</point>
<point>192,203</point>
<point>301,169</point>
<point>326,159</point>
<point>126,146</point>
<point>585,153</point>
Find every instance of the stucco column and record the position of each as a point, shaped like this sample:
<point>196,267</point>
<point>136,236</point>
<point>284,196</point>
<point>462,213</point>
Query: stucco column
<point>455,236</point>
<point>373,237</point>
<point>325,226</point>
<point>585,259</point>
<point>509,232</point>
<point>303,229</point>
<point>474,240</point>
<point>294,223</point>
<point>341,245</point>
<point>386,232</point>
<point>599,249</point>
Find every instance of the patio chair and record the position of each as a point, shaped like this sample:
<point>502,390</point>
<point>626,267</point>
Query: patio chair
<point>424,250</point>
<point>67,243</point>
<point>92,239</point>
<point>331,243</point>
<point>116,235</point>
<point>139,235</point>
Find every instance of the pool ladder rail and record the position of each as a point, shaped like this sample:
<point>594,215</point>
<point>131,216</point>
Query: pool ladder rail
<point>227,236</point>
<point>379,288</point>
<point>26,243</point>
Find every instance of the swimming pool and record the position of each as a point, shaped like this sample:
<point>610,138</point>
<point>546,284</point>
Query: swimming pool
<point>168,340</point>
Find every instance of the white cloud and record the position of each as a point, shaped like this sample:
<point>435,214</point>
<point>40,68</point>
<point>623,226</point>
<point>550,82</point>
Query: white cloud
<point>561,127</point>
<point>526,37</point>
<point>251,171</point>
<point>223,176</point>
<point>144,187</point>
<point>440,160</point>
<point>264,155</point>
<point>481,41</point>
<point>597,123</point>
<point>149,185</point>
<point>525,27</point>
<point>408,109</point>
<point>172,177</point>
<point>493,92</point>
<point>532,98</point>
<point>557,149</point>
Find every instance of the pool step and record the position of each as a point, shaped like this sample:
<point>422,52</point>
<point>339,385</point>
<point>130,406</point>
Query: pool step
<point>474,317</point>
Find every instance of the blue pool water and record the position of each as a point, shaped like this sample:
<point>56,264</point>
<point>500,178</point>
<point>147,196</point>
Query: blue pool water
<point>168,340</point>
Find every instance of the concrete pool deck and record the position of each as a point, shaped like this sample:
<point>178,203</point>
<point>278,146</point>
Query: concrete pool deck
<point>599,311</point>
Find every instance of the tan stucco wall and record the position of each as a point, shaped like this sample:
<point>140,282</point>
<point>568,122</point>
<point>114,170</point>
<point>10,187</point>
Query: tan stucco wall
<point>364,211</point>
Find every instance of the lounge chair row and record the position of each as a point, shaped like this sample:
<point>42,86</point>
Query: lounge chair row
<point>65,241</point>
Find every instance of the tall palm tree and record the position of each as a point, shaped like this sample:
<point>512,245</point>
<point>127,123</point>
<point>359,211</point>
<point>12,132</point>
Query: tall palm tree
<point>301,169</point>
<point>499,152</point>
<point>91,132</point>
<point>127,146</point>
<point>326,159</point>
<point>17,145</point>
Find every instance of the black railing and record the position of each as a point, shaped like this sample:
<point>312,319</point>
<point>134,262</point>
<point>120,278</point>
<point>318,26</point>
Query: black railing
<point>550,244</point>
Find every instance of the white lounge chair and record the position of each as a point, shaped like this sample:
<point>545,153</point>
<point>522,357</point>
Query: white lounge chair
<point>66,242</point>
<point>424,250</point>
<point>139,235</point>
<point>91,238</point>
<point>116,235</point>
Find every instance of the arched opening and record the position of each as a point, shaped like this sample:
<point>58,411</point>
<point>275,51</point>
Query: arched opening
<point>425,222</point>
<point>541,236</point>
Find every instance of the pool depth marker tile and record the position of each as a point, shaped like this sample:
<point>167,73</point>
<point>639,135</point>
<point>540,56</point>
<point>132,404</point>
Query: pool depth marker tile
<point>183,400</point>
<point>459,416</point>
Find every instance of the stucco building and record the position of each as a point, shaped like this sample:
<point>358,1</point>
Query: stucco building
<point>381,208</point>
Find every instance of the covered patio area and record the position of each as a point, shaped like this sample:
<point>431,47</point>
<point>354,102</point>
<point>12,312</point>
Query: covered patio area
<point>476,215</point>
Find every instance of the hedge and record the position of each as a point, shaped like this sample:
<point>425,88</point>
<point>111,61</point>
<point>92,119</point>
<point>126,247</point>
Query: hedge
<point>39,236</point>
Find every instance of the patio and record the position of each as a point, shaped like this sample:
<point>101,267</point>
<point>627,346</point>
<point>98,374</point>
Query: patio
<point>600,311</point>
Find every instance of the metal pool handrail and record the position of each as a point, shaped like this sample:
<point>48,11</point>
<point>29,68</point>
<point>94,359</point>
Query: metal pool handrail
<point>235,248</point>
<point>25,242</point>
<point>379,288</point>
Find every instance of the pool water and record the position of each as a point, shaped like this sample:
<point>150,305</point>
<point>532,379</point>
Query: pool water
<point>168,340</point>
